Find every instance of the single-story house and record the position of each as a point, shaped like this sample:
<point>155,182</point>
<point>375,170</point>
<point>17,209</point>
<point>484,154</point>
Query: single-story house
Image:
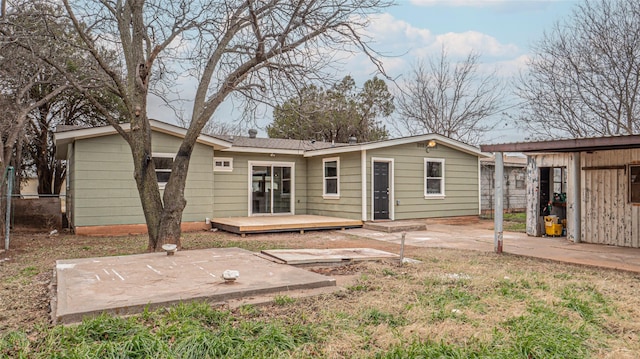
<point>593,184</point>
<point>237,176</point>
<point>515,195</point>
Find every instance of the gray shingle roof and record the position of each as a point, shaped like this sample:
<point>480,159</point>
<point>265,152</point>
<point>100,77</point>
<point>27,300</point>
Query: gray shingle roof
<point>278,143</point>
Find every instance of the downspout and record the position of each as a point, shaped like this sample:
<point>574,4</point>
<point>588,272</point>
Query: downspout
<point>363,176</point>
<point>7,220</point>
<point>499,211</point>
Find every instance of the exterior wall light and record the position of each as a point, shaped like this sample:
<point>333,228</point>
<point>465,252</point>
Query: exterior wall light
<point>431,144</point>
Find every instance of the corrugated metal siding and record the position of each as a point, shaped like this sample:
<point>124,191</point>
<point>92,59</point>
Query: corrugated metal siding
<point>607,216</point>
<point>461,181</point>
<point>105,192</point>
<point>348,205</point>
<point>231,190</point>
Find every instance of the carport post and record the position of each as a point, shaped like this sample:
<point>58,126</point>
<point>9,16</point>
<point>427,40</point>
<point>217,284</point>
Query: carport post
<point>498,198</point>
<point>577,199</point>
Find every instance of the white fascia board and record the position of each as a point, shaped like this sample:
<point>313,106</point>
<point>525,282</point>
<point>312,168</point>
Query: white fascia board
<point>170,129</point>
<point>64,138</point>
<point>400,141</point>
<point>333,150</point>
<point>264,150</point>
<point>72,135</point>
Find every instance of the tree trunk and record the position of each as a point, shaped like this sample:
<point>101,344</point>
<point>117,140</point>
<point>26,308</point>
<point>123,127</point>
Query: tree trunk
<point>132,32</point>
<point>174,201</point>
<point>16,162</point>
<point>145,176</point>
<point>163,216</point>
<point>41,157</point>
<point>44,180</point>
<point>60,174</point>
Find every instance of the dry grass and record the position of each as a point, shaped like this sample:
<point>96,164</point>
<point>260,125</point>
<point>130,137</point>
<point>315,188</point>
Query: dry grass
<point>468,302</point>
<point>461,298</point>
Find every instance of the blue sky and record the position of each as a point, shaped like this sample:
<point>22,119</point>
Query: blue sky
<point>502,31</point>
<point>510,21</point>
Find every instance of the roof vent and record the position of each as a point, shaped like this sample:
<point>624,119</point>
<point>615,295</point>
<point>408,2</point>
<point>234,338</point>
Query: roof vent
<point>353,140</point>
<point>252,133</point>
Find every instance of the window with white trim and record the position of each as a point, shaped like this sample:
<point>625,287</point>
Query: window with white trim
<point>331,177</point>
<point>433,177</point>
<point>223,164</point>
<point>163,163</point>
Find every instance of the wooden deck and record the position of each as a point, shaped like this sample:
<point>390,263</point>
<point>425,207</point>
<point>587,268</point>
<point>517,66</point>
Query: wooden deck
<point>289,223</point>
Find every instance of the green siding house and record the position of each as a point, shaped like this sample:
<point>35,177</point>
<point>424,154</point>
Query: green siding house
<point>236,176</point>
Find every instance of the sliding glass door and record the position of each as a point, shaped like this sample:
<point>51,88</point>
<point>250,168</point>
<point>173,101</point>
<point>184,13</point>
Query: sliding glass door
<point>261,188</point>
<point>271,188</point>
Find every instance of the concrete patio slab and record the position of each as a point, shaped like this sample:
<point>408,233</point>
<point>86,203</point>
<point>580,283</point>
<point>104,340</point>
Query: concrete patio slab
<point>128,284</point>
<point>477,238</point>
<point>329,256</point>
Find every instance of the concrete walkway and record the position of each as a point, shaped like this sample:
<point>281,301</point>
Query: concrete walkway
<point>479,238</point>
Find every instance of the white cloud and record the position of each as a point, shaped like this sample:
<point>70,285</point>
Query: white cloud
<point>460,44</point>
<point>454,2</point>
<point>404,44</point>
<point>512,66</point>
<point>474,3</point>
<point>385,26</point>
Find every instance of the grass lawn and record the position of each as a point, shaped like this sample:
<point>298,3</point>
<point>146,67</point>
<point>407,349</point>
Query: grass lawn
<point>454,304</point>
<point>513,222</point>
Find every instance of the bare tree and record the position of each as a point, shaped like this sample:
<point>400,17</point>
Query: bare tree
<point>584,79</point>
<point>30,86</point>
<point>16,104</point>
<point>256,49</point>
<point>450,99</point>
<point>68,108</point>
